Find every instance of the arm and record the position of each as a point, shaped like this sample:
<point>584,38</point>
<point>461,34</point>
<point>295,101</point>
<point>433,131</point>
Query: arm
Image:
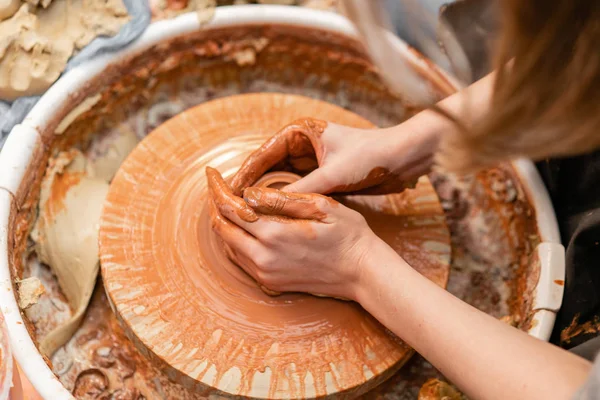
<point>425,130</point>
<point>310,243</point>
<point>484,357</point>
<point>362,161</point>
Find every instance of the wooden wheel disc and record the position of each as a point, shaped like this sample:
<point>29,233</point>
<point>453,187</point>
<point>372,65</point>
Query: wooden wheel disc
<point>198,316</point>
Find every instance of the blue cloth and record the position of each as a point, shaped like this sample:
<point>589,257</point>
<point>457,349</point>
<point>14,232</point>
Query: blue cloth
<point>13,113</point>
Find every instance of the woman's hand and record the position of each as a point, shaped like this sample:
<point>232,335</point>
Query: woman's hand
<point>341,159</point>
<point>290,242</point>
<point>373,161</point>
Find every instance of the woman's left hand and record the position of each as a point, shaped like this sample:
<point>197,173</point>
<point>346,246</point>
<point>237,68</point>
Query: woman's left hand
<point>291,242</point>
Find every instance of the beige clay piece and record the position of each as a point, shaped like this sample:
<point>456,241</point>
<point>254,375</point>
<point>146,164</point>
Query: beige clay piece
<point>66,236</point>
<point>164,9</point>
<point>37,42</point>
<point>8,8</point>
<point>30,290</point>
<point>201,318</point>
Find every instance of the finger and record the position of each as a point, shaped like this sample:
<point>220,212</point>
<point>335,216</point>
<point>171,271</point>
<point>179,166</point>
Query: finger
<point>315,182</point>
<point>232,207</point>
<point>294,205</point>
<point>298,139</point>
<point>235,241</point>
<point>238,245</point>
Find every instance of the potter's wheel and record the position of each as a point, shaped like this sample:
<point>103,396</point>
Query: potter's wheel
<point>203,320</point>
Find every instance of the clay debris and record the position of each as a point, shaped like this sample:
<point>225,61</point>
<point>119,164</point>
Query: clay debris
<point>37,38</point>
<point>578,328</point>
<point>162,9</point>
<point>66,235</point>
<point>434,389</point>
<point>30,290</point>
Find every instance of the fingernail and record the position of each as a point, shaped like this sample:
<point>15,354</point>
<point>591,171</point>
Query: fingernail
<point>252,196</point>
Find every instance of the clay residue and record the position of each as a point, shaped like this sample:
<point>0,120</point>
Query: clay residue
<point>66,235</point>
<point>575,329</point>
<point>435,389</point>
<point>511,320</point>
<point>165,9</point>
<point>84,106</point>
<point>37,41</point>
<point>290,147</point>
<point>30,290</point>
<point>493,236</point>
<point>247,55</point>
<point>99,362</point>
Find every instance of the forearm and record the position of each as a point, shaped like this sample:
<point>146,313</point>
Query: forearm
<point>460,340</point>
<point>428,127</point>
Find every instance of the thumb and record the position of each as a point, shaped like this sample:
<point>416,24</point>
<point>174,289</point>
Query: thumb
<point>315,182</point>
<point>294,205</point>
<point>223,196</point>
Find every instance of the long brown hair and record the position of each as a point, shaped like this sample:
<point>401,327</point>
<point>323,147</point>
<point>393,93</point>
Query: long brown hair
<point>546,99</point>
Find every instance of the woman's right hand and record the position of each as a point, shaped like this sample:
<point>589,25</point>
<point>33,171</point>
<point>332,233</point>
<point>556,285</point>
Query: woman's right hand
<point>344,159</point>
<point>368,161</point>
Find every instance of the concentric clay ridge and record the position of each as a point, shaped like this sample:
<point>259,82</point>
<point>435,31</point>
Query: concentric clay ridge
<point>201,318</point>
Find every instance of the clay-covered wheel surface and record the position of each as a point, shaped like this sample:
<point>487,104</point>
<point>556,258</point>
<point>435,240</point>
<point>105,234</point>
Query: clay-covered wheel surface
<point>201,318</point>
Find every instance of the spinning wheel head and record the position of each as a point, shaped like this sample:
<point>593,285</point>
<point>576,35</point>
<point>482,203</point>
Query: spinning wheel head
<point>201,318</point>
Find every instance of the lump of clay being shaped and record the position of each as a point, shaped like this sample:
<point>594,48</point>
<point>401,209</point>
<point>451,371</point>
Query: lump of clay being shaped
<point>37,42</point>
<point>66,235</point>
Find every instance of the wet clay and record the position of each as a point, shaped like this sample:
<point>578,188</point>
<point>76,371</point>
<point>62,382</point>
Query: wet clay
<point>576,330</point>
<point>435,389</point>
<point>66,236</point>
<point>30,290</point>
<point>277,180</point>
<point>201,318</point>
<point>38,40</point>
<point>297,145</point>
